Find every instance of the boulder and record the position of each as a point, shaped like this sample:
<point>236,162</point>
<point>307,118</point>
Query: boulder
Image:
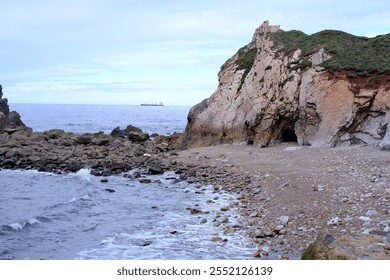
<point>84,139</point>
<point>155,170</point>
<point>132,133</point>
<point>374,246</point>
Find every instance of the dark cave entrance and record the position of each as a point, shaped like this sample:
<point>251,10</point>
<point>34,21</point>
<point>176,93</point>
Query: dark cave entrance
<point>288,135</point>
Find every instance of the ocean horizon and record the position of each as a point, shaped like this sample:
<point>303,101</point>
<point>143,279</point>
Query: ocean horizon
<point>90,118</point>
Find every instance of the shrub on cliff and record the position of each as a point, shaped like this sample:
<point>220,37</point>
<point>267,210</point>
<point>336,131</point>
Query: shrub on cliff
<point>361,55</point>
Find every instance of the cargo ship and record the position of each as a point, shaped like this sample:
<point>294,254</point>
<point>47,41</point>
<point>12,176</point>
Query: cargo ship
<point>153,104</point>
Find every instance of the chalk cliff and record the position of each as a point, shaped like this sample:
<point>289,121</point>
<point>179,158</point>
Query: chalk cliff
<point>325,89</point>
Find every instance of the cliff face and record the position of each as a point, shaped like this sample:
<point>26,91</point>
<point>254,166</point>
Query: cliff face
<point>269,92</point>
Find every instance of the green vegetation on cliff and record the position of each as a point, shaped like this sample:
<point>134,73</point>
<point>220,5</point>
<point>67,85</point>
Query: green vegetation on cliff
<point>361,55</point>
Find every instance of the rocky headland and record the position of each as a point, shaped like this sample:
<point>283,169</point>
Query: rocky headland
<point>295,94</point>
<point>326,89</point>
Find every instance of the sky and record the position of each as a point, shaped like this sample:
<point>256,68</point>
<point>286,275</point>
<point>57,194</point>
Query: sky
<point>127,52</point>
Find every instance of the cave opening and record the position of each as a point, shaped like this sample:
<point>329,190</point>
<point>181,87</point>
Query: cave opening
<point>288,135</point>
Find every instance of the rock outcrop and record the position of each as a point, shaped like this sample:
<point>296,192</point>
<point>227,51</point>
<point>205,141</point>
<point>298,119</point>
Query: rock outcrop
<point>9,120</point>
<point>298,88</point>
<point>349,247</point>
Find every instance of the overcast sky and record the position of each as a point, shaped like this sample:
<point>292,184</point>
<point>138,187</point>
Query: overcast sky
<point>128,52</point>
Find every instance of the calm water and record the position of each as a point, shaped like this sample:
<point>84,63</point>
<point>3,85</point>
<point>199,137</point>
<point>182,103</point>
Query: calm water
<point>95,118</point>
<point>47,216</point>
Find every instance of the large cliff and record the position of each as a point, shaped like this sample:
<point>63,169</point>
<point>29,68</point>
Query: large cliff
<point>330,88</point>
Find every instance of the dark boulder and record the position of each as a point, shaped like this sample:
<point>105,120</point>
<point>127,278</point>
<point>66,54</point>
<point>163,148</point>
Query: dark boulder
<point>138,137</point>
<point>155,170</point>
<point>132,133</point>
<point>83,139</point>
<point>14,120</point>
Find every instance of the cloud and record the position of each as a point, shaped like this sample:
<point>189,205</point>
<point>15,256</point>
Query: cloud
<point>83,51</point>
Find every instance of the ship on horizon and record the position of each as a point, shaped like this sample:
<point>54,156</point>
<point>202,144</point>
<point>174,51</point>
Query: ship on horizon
<point>152,104</point>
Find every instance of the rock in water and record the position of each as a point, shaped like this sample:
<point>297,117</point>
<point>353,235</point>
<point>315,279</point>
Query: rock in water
<point>349,247</point>
<point>9,119</point>
<point>155,170</point>
<point>275,89</point>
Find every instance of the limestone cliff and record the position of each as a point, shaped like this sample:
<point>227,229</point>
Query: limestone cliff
<point>288,86</point>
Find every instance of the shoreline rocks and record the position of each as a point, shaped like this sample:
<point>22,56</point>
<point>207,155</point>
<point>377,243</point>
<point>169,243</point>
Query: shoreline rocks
<point>59,151</point>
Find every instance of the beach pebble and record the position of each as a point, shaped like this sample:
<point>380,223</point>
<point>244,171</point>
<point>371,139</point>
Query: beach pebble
<point>371,212</point>
<point>282,220</point>
<point>334,221</point>
<point>253,214</point>
<point>278,228</point>
<point>365,219</point>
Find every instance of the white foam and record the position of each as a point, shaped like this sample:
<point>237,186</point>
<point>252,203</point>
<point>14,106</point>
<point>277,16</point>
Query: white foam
<point>84,173</point>
<point>16,226</point>
<point>33,221</point>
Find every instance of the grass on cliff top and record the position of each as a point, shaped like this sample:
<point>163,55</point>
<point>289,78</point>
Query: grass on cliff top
<point>364,56</point>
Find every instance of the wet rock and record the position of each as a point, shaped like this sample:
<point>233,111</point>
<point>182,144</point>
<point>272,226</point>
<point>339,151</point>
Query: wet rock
<point>216,239</point>
<point>9,162</point>
<point>106,173</point>
<point>145,181</point>
<point>146,243</point>
<point>195,210</point>
<point>155,170</point>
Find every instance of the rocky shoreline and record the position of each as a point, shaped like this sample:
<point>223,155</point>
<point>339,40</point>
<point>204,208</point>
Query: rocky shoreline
<point>59,151</point>
<point>287,195</point>
<point>291,197</point>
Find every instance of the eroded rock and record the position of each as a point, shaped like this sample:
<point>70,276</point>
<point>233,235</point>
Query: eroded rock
<point>349,247</point>
<point>267,96</point>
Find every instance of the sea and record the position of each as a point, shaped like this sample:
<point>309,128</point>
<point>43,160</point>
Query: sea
<point>78,217</point>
